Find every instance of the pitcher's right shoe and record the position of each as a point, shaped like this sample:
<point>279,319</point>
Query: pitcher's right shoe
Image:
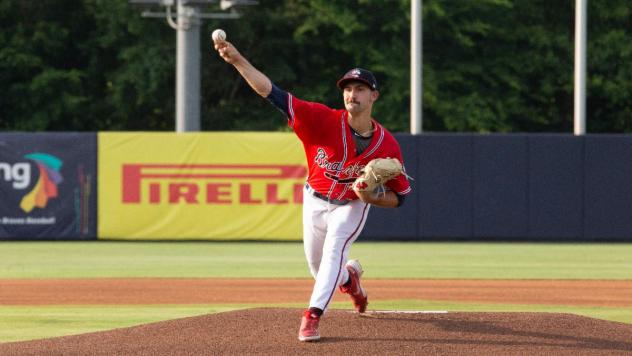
<point>353,287</point>
<point>309,327</point>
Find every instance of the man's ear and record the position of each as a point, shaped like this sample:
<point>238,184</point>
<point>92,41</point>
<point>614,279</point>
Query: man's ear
<point>375,94</point>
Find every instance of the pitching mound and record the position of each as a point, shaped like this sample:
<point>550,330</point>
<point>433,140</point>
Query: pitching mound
<point>274,331</point>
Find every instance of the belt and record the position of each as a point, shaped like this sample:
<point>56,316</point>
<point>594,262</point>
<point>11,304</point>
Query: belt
<point>316,194</point>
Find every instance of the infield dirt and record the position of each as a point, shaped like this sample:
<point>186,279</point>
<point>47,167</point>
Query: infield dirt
<point>614,293</point>
<point>271,331</point>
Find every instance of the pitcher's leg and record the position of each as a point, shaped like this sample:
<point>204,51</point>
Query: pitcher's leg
<point>314,230</point>
<point>344,225</point>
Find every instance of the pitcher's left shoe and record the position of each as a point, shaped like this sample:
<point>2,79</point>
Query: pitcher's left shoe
<point>309,327</point>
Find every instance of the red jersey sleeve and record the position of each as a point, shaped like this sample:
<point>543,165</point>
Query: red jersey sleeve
<point>306,118</point>
<point>399,185</point>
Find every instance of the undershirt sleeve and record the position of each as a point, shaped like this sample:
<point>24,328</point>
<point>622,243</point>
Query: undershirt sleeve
<point>279,98</point>
<point>400,199</point>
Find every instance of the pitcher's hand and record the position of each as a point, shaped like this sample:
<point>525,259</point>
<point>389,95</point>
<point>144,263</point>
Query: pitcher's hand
<point>227,51</point>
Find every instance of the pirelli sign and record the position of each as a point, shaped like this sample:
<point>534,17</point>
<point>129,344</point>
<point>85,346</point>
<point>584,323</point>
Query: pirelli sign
<point>210,183</point>
<point>225,186</point>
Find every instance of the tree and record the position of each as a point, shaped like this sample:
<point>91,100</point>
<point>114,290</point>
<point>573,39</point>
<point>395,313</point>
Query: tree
<point>81,65</point>
<point>489,65</point>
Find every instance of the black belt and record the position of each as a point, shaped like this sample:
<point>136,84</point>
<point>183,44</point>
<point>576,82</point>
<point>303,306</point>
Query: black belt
<point>316,194</point>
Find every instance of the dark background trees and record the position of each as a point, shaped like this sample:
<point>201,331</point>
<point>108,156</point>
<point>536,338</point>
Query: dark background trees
<point>489,65</point>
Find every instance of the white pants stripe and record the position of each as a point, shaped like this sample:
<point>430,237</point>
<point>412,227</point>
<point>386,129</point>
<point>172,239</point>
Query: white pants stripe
<point>328,232</point>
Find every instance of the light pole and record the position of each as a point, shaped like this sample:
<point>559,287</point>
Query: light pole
<point>579,115</point>
<point>416,67</point>
<point>187,68</point>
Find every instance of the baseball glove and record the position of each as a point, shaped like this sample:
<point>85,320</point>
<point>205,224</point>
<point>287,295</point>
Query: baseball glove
<point>376,173</point>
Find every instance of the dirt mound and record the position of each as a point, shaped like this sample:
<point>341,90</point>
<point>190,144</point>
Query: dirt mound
<point>270,331</point>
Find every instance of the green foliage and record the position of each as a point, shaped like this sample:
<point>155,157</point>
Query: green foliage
<point>489,65</point>
<point>83,65</point>
<point>609,83</point>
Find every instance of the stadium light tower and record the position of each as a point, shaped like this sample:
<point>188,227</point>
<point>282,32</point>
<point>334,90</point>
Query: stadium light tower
<point>416,67</point>
<point>187,24</point>
<point>579,112</point>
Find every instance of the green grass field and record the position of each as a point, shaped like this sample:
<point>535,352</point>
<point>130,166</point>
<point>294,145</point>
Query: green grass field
<point>286,260</point>
<point>40,260</point>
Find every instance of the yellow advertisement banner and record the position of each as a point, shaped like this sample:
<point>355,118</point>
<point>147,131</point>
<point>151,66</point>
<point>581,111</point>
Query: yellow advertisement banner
<point>200,186</point>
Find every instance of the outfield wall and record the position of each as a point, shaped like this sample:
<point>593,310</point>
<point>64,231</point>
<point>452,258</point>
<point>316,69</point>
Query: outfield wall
<point>227,186</point>
<point>537,187</point>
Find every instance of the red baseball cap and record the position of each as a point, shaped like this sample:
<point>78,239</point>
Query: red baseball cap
<point>360,75</point>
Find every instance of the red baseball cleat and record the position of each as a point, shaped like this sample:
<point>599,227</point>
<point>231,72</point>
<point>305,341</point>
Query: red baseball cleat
<point>353,287</point>
<point>309,327</point>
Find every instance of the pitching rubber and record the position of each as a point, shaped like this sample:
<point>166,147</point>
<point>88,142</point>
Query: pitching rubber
<point>377,313</point>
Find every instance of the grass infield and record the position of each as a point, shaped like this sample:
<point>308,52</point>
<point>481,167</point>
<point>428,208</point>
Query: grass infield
<point>286,260</point>
<point>41,260</point>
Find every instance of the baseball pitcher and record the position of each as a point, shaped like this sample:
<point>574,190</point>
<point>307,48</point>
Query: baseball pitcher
<point>353,163</point>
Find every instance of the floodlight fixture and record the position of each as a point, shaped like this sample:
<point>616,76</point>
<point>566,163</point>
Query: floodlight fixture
<point>227,4</point>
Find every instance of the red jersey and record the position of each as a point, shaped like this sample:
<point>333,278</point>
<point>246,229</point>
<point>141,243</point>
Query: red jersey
<point>332,162</point>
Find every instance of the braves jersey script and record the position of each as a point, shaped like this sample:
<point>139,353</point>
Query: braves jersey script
<point>333,164</point>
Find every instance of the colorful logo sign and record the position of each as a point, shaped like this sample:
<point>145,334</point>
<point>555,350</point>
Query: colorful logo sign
<point>46,187</point>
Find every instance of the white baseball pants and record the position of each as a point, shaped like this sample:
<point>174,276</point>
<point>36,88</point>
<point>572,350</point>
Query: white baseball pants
<point>328,232</point>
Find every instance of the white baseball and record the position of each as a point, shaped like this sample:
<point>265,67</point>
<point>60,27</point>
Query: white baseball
<point>218,35</point>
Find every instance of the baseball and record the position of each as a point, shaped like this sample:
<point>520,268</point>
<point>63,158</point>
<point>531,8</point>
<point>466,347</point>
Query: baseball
<point>218,35</point>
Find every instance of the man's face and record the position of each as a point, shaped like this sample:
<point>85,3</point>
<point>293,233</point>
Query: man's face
<point>358,97</point>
